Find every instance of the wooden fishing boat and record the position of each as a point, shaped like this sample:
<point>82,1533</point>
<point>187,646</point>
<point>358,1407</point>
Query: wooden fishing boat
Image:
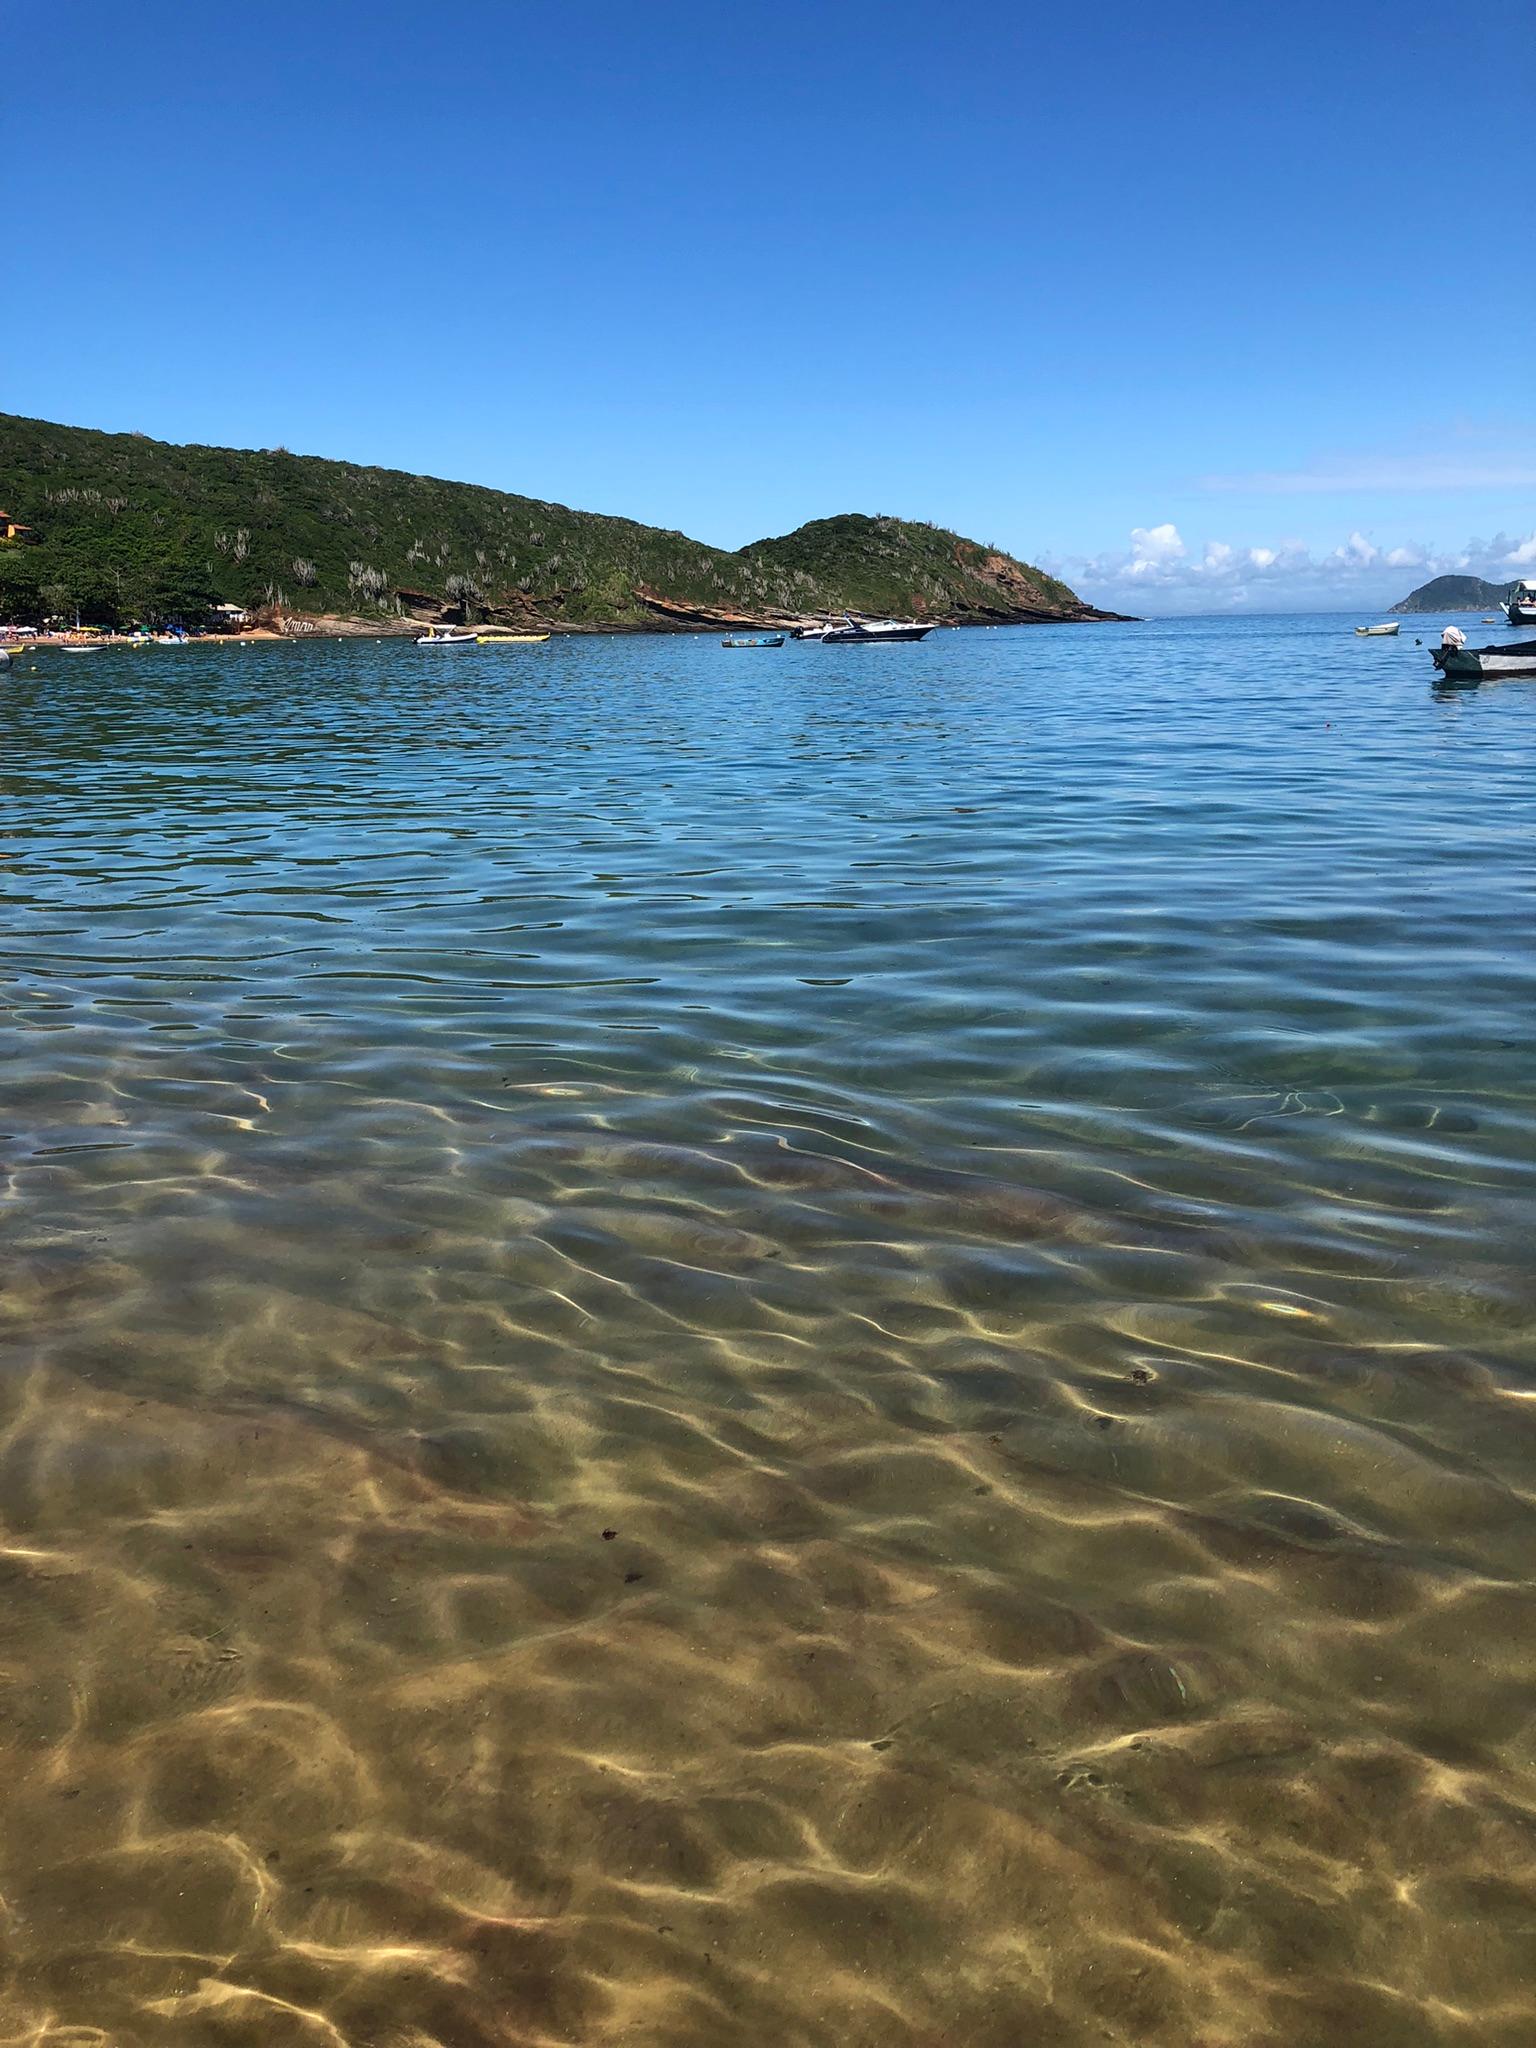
<point>1374,632</point>
<point>755,640</point>
<point>511,639</point>
<point>1486,664</point>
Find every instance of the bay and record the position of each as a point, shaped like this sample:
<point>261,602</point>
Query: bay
<point>827,1345</point>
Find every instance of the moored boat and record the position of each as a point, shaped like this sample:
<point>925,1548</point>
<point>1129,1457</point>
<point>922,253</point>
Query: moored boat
<point>1520,605</point>
<point>448,636</point>
<point>1485,664</point>
<point>853,632</point>
<point>1372,632</point>
<point>510,639</point>
<point>755,640</point>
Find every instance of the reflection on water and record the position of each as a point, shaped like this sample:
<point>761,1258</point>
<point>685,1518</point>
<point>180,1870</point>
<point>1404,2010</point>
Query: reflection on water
<point>829,1351</point>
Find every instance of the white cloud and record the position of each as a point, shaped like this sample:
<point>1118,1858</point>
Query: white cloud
<point>1160,572</point>
<point>1154,547</point>
<point>1357,552</point>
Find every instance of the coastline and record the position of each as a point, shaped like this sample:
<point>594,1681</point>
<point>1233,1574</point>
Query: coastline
<point>302,627</point>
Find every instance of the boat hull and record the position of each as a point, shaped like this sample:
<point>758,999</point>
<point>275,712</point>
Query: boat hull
<point>1520,614</point>
<point>1486,664</point>
<point>845,636</point>
<point>1376,632</point>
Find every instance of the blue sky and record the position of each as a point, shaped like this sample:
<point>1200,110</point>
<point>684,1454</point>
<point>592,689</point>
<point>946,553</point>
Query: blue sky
<point>1204,307</point>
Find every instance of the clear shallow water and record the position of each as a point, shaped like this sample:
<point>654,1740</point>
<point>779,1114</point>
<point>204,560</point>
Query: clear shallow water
<point>818,1348</point>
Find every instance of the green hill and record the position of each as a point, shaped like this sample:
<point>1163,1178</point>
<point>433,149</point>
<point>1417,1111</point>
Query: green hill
<point>1455,594</point>
<point>123,527</point>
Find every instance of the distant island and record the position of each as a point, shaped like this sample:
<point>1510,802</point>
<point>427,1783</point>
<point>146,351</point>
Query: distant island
<point>123,529</point>
<point>1455,594</point>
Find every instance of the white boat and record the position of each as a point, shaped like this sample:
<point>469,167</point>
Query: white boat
<point>449,636</point>
<point>1485,664</point>
<point>854,631</point>
<point>1520,605</point>
<point>1371,632</point>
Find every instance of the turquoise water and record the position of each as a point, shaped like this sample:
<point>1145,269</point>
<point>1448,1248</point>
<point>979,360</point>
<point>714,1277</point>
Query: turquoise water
<point>826,1346</point>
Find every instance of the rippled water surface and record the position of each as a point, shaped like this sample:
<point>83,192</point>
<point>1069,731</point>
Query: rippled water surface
<point>826,1348</point>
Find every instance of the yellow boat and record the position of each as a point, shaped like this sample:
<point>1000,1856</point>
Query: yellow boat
<point>511,639</point>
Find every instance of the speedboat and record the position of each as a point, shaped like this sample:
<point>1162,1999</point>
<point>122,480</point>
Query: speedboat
<point>755,640</point>
<point>854,631</point>
<point>1485,664</point>
<point>1372,632</point>
<point>1520,605</point>
<point>448,636</point>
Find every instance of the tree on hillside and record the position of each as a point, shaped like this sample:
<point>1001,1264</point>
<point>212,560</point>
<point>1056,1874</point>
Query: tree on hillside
<point>20,599</point>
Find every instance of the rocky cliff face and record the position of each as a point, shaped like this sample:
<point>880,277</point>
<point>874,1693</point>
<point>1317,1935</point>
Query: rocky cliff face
<point>1019,599</point>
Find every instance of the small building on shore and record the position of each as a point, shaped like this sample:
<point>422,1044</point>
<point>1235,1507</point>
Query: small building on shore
<point>13,529</point>
<point>229,618</point>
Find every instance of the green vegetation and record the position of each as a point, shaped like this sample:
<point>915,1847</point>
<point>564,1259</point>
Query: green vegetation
<point>896,565</point>
<point>1455,594</point>
<point>124,528</point>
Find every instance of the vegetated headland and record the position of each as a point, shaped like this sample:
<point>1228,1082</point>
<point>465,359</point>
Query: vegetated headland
<point>1454,594</point>
<point>121,530</point>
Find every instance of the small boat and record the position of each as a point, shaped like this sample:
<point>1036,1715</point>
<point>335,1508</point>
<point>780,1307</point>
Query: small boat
<point>1520,605</point>
<point>755,640</point>
<point>1491,620</point>
<point>508,639</point>
<point>448,636</point>
<point>1486,664</point>
<point>854,631</point>
<point>1372,632</point>
<point>81,646</point>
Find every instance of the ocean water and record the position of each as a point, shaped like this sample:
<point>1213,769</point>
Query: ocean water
<point>827,1348</point>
